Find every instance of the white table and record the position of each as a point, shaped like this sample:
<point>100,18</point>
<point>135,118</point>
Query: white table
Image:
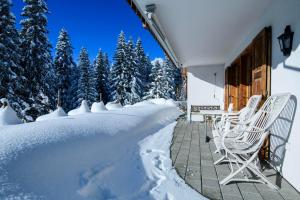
<point>210,113</point>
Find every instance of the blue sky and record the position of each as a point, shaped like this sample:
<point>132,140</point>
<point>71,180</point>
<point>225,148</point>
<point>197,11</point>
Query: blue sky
<point>94,24</point>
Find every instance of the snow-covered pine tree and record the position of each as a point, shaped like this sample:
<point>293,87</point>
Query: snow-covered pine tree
<point>100,66</point>
<point>94,95</point>
<point>9,42</point>
<point>178,83</point>
<point>148,69</point>
<point>169,73</point>
<point>86,87</point>
<point>158,86</point>
<point>36,59</point>
<point>11,81</point>
<point>75,75</point>
<point>134,75</point>
<point>174,79</point>
<point>119,80</point>
<point>107,75</point>
<point>142,63</point>
<point>64,63</point>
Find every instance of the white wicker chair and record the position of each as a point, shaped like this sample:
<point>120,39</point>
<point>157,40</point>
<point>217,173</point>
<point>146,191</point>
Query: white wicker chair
<point>243,150</point>
<point>234,121</point>
<point>219,121</point>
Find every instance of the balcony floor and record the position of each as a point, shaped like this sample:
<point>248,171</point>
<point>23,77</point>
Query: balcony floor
<point>193,160</point>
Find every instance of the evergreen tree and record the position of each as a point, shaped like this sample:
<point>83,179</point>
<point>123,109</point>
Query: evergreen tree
<point>64,63</point>
<point>107,72</point>
<point>174,79</point>
<point>169,74</point>
<point>94,95</point>
<point>148,69</point>
<point>158,85</point>
<point>8,48</point>
<point>142,63</point>
<point>134,74</point>
<point>75,75</point>
<point>36,59</point>
<point>178,84</point>
<point>86,87</point>
<point>11,81</point>
<point>119,78</point>
<point>100,66</point>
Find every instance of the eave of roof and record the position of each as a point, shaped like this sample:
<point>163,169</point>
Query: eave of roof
<point>148,27</point>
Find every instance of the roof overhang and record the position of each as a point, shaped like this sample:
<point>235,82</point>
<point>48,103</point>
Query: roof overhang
<point>152,26</point>
<point>200,32</point>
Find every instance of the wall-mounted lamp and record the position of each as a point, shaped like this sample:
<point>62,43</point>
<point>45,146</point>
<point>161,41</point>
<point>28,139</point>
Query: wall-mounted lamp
<point>286,41</point>
<point>150,9</point>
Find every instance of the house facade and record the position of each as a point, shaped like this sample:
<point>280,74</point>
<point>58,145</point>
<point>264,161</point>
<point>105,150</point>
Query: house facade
<point>230,50</point>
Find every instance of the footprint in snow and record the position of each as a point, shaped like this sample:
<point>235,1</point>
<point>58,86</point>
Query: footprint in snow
<point>158,165</point>
<point>169,197</point>
<point>148,151</point>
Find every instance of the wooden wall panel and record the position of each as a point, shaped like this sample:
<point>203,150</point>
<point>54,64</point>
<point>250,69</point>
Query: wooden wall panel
<point>233,86</point>
<point>226,88</point>
<point>261,64</point>
<point>245,79</point>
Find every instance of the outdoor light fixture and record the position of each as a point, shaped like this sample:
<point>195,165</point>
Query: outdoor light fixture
<point>150,9</point>
<point>286,41</point>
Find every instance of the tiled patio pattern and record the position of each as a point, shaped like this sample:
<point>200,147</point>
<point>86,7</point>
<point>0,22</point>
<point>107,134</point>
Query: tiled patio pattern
<point>193,160</point>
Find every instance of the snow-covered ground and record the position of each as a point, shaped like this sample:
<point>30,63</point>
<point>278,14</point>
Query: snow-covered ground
<point>155,154</point>
<point>105,155</point>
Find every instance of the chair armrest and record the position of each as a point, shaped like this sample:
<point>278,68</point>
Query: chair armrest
<point>240,132</point>
<point>231,114</point>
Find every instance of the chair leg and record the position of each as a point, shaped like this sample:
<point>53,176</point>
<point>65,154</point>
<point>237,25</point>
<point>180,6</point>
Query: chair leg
<point>249,165</point>
<point>219,160</point>
<point>236,160</point>
<point>263,177</point>
<point>229,178</point>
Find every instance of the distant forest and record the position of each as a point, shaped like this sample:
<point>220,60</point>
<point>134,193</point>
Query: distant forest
<point>34,82</point>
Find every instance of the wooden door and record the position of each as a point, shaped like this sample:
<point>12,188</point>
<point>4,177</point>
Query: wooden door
<point>226,89</point>
<point>261,69</point>
<point>245,77</point>
<point>233,92</point>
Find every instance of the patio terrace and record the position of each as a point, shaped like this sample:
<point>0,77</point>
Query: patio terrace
<point>193,160</point>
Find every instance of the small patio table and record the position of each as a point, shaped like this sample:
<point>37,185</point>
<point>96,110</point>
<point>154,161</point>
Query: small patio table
<point>212,114</point>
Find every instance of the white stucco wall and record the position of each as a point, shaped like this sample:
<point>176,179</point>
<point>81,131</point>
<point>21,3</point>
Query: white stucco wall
<point>285,77</point>
<point>203,88</point>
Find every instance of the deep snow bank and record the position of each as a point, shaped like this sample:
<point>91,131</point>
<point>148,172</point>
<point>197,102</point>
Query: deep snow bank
<point>59,112</point>
<point>113,106</point>
<point>88,156</point>
<point>98,107</point>
<point>82,109</point>
<point>7,115</point>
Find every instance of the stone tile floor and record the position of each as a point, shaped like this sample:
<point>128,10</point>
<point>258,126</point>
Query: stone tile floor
<point>193,159</point>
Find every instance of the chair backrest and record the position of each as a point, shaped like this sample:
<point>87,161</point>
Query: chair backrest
<point>230,107</point>
<point>266,116</point>
<point>252,104</point>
